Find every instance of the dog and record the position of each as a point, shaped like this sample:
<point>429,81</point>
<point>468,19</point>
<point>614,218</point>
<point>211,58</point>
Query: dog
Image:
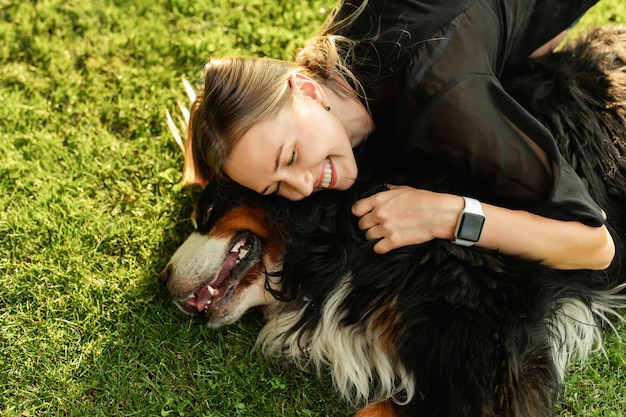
<point>433,329</point>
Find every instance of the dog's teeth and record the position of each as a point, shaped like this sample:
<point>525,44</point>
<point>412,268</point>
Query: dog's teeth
<point>236,247</point>
<point>211,291</point>
<point>243,253</point>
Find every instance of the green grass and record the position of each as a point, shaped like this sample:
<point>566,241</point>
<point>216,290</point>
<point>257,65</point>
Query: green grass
<point>90,211</point>
<point>605,12</point>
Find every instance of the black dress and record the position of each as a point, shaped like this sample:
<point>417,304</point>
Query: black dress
<point>431,72</point>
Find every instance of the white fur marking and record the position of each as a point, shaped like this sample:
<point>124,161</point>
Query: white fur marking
<point>361,370</point>
<point>577,328</point>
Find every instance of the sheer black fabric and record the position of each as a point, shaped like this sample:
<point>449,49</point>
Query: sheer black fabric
<point>432,71</point>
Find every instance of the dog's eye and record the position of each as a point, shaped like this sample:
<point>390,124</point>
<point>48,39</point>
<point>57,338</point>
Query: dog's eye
<point>199,218</point>
<point>205,218</point>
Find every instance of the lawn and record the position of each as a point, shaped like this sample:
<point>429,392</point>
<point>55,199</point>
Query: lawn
<point>91,210</point>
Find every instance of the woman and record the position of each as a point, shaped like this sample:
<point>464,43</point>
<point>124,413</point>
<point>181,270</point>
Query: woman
<point>412,77</point>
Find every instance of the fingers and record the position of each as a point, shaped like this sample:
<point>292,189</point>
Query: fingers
<point>371,216</point>
<point>367,204</point>
<point>370,223</point>
<point>382,247</point>
<point>395,217</point>
<point>363,206</point>
<point>364,209</point>
<point>381,229</point>
<point>387,239</point>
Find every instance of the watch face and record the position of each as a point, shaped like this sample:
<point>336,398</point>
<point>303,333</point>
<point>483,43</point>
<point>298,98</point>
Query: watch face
<point>470,227</point>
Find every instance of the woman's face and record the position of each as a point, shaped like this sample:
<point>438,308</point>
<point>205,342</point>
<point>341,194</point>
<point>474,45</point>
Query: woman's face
<point>304,149</point>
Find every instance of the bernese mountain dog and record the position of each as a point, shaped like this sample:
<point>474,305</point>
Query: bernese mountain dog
<point>434,329</point>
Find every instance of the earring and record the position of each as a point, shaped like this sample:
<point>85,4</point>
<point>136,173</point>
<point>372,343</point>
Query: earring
<point>327,108</point>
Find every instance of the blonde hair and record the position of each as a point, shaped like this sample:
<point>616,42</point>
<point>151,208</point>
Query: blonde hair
<point>240,92</point>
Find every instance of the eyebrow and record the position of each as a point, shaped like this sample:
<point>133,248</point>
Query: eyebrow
<point>276,164</point>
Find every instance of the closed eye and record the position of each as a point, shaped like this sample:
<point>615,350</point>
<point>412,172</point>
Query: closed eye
<point>292,160</point>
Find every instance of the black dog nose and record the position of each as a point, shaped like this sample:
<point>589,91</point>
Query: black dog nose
<point>164,276</point>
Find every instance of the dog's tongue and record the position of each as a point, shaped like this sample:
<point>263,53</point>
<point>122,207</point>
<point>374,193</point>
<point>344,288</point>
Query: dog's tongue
<point>204,295</point>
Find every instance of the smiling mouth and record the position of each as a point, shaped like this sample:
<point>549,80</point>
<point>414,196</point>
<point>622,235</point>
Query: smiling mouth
<point>328,177</point>
<point>243,255</point>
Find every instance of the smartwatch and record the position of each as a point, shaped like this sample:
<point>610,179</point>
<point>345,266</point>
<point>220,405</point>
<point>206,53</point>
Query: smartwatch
<point>470,223</point>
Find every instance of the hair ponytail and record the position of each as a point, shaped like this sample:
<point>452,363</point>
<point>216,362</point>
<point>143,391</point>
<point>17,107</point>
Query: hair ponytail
<point>329,53</point>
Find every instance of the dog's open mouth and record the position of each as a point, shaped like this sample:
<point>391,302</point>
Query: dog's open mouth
<point>244,254</point>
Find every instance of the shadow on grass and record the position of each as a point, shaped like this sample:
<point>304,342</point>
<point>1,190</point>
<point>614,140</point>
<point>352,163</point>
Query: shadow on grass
<point>156,361</point>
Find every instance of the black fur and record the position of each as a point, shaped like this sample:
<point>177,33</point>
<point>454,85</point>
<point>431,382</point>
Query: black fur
<point>472,324</point>
<point>474,327</point>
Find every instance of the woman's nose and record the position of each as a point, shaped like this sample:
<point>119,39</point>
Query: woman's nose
<point>298,187</point>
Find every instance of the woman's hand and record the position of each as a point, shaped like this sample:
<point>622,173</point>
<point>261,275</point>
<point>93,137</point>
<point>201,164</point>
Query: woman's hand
<point>403,216</point>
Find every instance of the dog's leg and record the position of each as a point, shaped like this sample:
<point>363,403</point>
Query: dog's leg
<point>382,409</point>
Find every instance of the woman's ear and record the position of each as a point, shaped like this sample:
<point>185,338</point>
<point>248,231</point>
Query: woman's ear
<point>306,86</point>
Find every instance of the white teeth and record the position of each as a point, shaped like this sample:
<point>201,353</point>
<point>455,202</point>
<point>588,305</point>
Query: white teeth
<point>211,291</point>
<point>243,253</point>
<point>328,174</point>
<point>236,247</point>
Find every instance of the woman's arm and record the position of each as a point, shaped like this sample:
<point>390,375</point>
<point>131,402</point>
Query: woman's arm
<point>404,216</point>
<point>556,243</point>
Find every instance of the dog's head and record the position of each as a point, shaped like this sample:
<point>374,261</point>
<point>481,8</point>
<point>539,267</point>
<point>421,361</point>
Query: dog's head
<point>226,266</point>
